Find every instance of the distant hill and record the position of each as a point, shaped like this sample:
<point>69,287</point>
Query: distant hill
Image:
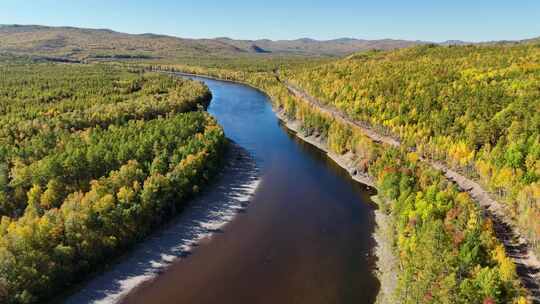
<point>311,47</point>
<point>460,42</point>
<point>71,43</point>
<point>533,40</point>
<point>455,42</point>
<point>100,43</point>
<point>82,43</point>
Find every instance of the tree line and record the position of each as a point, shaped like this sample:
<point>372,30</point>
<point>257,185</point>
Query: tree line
<point>94,157</point>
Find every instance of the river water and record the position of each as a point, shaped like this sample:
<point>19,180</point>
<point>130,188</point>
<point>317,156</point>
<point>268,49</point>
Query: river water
<point>304,235</point>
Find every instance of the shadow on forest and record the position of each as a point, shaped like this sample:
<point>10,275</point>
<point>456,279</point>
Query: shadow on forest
<point>517,250</point>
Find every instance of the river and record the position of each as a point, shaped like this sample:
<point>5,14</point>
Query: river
<point>299,229</point>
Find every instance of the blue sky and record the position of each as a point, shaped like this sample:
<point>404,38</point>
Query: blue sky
<point>471,20</point>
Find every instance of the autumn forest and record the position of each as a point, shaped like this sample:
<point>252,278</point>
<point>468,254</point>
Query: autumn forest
<point>102,147</point>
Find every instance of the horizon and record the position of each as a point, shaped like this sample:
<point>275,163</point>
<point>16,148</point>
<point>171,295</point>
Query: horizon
<point>259,38</point>
<point>482,21</point>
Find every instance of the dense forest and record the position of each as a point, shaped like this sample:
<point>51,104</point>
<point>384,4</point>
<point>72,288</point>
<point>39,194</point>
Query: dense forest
<point>474,108</point>
<point>91,158</point>
<point>447,249</point>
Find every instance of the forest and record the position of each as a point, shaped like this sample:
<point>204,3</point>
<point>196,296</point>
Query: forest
<point>475,108</point>
<point>92,157</point>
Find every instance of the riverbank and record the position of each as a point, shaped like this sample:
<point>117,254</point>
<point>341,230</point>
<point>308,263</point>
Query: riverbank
<point>346,161</point>
<point>206,215</point>
<point>386,263</point>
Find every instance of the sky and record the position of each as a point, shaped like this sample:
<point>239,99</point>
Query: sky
<point>435,20</point>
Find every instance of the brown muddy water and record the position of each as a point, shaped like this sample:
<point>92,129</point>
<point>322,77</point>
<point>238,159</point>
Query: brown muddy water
<point>304,236</point>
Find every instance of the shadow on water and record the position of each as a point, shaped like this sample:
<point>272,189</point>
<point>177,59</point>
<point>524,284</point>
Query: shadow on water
<point>316,154</point>
<point>365,192</point>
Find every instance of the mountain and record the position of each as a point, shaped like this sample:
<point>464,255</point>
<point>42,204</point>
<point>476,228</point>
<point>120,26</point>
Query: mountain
<point>312,47</point>
<point>533,40</point>
<point>492,42</point>
<point>83,43</point>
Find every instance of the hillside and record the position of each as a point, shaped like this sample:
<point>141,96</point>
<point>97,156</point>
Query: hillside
<point>80,43</point>
<point>83,43</point>
<point>474,108</point>
<point>311,47</point>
